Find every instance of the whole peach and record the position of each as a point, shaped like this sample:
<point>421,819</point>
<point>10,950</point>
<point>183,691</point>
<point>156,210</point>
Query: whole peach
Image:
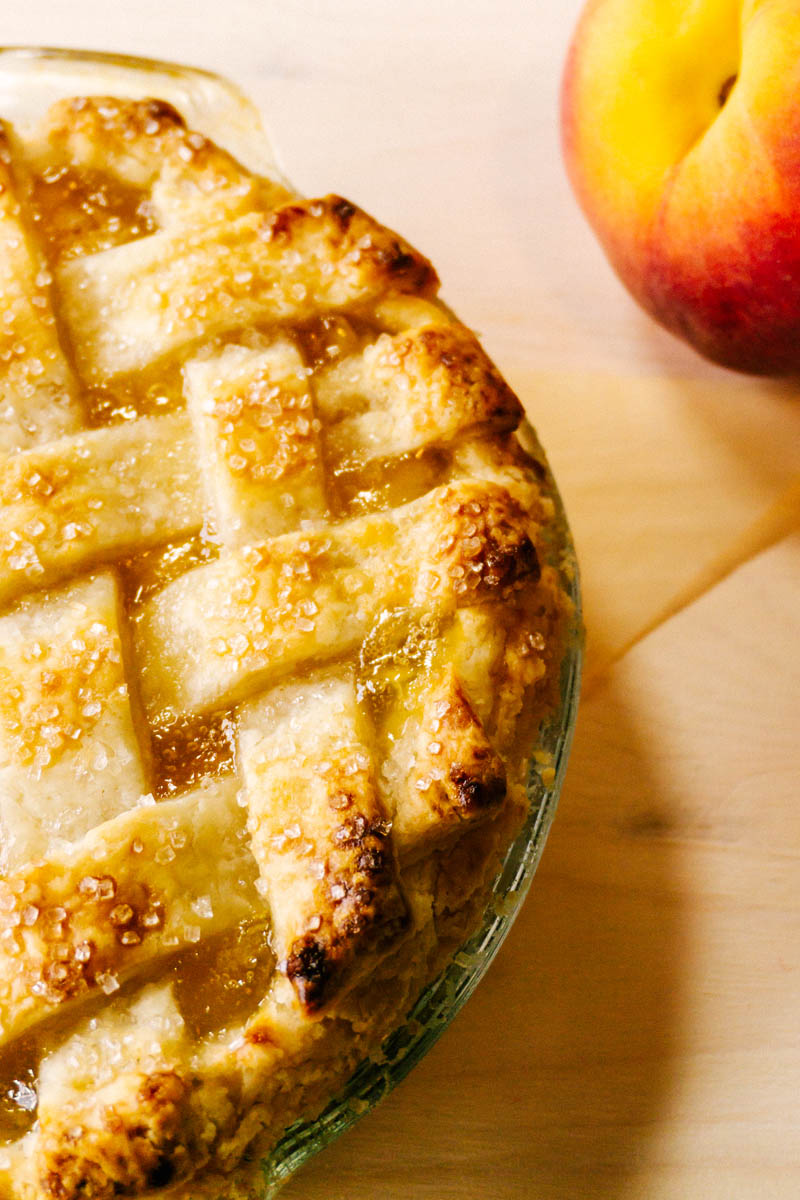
<point>681,134</point>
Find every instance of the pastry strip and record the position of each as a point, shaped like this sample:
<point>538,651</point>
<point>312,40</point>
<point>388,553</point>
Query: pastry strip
<point>228,630</point>
<point>319,835</point>
<point>419,388</point>
<point>38,397</point>
<point>69,755</point>
<point>93,497</point>
<point>112,1101</point>
<point>134,303</point>
<point>258,440</point>
<point>145,146</point>
<point>132,891</point>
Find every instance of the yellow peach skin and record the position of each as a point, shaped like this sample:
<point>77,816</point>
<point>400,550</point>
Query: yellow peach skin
<point>681,134</point>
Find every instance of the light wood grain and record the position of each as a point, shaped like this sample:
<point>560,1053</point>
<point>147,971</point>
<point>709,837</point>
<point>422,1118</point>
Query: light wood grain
<point>637,1037</point>
<point>662,478</point>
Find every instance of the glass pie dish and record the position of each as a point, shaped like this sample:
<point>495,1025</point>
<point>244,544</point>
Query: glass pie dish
<point>31,80</point>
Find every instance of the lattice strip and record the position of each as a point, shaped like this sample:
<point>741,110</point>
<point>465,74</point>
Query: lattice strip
<point>439,768</point>
<point>329,877</point>
<point>319,834</point>
<point>38,398</point>
<point>422,387</point>
<point>116,1080</point>
<point>137,302</point>
<point>145,145</point>
<point>259,440</point>
<point>95,496</point>
<point>129,893</point>
<point>163,1112</point>
<point>229,629</point>
<point>69,756</point>
<point>455,778</point>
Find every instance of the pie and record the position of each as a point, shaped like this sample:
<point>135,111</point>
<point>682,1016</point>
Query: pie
<point>277,627</point>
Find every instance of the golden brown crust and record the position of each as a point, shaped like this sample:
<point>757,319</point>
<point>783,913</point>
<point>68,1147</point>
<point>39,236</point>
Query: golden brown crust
<point>145,147</point>
<point>258,438</point>
<point>451,372</point>
<point>473,780</point>
<point>121,900</point>
<point>342,233</point>
<point>61,696</point>
<point>94,497</point>
<point>288,264</point>
<point>74,936</point>
<point>484,546</point>
<point>38,392</point>
<point>229,629</point>
<point>131,1138</point>
<point>427,386</point>
<point>361,908</point>
<point>452,778</point>
<point>320,835</point>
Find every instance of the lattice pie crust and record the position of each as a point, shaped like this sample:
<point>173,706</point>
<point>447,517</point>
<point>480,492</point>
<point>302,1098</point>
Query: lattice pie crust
<point>272,602</point>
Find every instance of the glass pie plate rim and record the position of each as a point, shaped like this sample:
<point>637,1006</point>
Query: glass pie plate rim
<point>32,77</point>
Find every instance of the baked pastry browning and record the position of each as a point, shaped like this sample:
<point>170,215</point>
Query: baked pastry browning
<point>277,629</point>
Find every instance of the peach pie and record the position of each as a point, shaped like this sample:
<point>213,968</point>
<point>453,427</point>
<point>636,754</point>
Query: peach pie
<point>276,625</point>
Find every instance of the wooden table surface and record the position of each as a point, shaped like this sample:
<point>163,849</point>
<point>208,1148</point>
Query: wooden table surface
<point>638,1038</point>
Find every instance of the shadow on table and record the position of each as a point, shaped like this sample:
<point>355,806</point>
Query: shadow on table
<point>553,1080</point>
<point>754,419</point>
